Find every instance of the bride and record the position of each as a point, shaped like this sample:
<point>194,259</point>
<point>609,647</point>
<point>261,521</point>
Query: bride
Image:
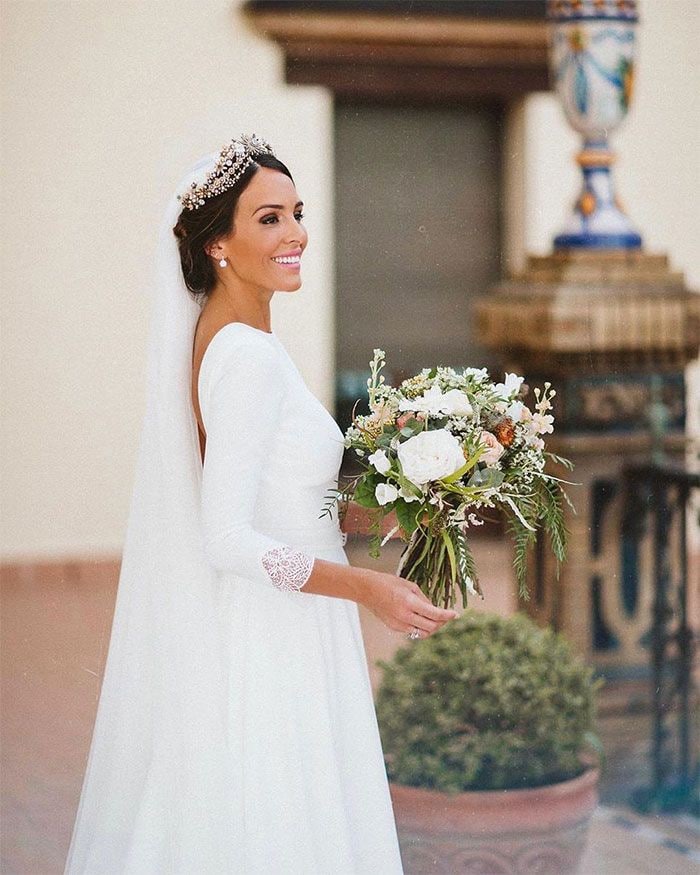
<point>236,730</point>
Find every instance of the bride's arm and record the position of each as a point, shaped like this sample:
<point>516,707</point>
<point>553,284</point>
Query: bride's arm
<point>241,394</point>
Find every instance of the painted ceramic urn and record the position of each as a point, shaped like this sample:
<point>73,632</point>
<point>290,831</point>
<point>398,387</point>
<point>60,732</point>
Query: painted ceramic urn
<point>592,69</point>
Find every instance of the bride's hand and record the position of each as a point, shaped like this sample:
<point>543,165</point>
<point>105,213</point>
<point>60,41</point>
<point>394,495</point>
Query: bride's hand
<point>402,606</point>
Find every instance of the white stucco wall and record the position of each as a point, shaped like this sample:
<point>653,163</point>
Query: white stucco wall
<point>105,104</point>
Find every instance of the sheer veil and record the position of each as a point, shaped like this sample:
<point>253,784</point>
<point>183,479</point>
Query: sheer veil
<point>157,797</point>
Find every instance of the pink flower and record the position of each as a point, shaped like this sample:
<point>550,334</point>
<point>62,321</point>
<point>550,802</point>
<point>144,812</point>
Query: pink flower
<point>495,449</point>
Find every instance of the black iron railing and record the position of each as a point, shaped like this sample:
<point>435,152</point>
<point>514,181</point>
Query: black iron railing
<point>658,501</point>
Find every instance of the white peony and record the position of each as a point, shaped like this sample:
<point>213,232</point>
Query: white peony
<point>385,493</point>
<point>430,455</point>
<point>380,461</point>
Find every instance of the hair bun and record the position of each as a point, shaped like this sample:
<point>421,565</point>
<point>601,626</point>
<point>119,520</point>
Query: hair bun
<point>179,230</point>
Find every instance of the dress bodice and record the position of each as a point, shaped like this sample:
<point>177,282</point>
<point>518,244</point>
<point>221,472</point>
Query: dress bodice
<point>273,454</point>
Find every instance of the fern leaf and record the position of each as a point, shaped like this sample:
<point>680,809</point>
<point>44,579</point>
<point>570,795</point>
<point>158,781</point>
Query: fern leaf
<point>553,516</point>
<point>465,562</point>
<point>523,539</point>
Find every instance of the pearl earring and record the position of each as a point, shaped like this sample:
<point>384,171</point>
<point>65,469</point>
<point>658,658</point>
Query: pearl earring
<point>223,262</point>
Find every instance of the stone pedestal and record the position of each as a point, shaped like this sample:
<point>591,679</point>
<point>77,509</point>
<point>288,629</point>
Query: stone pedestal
<point>613,331</point>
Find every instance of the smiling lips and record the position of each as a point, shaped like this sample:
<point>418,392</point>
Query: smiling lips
<point>289,260</point>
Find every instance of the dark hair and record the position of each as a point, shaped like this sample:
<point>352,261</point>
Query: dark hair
<point>196,229</point>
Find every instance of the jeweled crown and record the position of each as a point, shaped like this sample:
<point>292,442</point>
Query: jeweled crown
<point>232,161</point>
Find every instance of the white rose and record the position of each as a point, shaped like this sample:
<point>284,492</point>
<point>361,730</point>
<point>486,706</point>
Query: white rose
<point>430,455</point>
<point>457,403</point>
<point>385,493</point>
<point>380,461</point>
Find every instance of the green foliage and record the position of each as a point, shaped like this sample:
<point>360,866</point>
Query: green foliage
<point>486,478</point>
<point>465,562</point>
<point>553,517</point>
<point>406,514</point>
<point>486,703</point>
<point>375,532</point>
<point>523,539</point>
<point>364,492</point>
<point>412,427</point>
<point>383,441</point>
<point>333,498</point>
<point>560,460</point>
<point>543,511</point>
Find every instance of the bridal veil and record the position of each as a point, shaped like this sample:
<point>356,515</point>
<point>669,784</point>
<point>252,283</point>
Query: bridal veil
<point>156,795</point>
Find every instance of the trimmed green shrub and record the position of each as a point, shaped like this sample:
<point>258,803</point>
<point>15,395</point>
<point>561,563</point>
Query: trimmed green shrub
<point>486,703</point>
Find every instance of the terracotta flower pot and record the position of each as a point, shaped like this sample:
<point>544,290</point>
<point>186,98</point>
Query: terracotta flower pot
<point>495,832</point>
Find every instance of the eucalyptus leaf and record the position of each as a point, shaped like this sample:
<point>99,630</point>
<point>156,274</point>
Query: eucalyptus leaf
<point>486,477</point>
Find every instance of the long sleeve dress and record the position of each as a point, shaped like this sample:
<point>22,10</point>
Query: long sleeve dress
<point>302,730</point>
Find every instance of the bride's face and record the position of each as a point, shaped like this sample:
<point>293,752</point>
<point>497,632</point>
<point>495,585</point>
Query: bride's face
<point>268,238</point>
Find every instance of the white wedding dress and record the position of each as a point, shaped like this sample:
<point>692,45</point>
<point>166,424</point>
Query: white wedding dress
<point>304,751</point>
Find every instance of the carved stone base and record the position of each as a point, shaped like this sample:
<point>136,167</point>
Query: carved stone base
<point>593,313</point>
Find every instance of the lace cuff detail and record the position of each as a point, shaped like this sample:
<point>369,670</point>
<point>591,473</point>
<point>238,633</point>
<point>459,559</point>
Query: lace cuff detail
<point>287,568</point>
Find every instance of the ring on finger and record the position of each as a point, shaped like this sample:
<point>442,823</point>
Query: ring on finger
<point>414,633</point>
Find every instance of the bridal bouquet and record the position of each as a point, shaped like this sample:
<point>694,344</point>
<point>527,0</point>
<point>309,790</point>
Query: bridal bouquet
<point>439,450</point>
